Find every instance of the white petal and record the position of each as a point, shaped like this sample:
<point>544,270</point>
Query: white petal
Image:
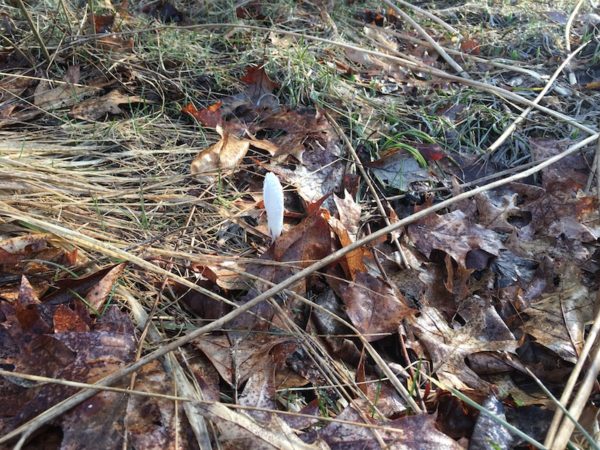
<point>273,199</point>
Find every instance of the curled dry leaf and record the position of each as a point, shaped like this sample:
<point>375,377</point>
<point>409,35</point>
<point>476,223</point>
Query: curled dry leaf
<point>225,155</point>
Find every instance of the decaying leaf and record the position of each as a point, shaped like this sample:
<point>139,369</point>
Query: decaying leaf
<point>50,98</point>
<point>454,234</point>
<point>236,363</point>
<point>63,341</point>
<point>448,347</point>
<point>374,307</point>
<point>417,431</point>
<point>152,422</point>
<point>557,320</point>
<point>96,108</point>
<point>398,169</point>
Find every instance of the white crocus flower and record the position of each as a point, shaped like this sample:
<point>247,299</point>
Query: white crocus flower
<point>273,199</point>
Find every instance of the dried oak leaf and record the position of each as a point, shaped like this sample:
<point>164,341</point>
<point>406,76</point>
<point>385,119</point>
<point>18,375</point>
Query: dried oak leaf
<point>454,234</point>
<point>449,347</point>
<point>260,392</point>
<point>236,363</point>
<point>349,212</point>
<point>80,356</point>
<point>418,431</point>
<point>558,319</point>
<point>374,307</point>
<point>568,214</point>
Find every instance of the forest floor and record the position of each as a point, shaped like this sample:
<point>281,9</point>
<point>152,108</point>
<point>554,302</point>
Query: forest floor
<point>436,282</point>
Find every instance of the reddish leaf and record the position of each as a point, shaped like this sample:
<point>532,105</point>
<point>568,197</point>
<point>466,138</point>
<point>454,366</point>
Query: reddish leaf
<point>209,116</point>
<point>103,24</point>
<point>470,46</point>
<point>27,310</point>
<point>257,77</point>
<point>353,261</point>
<point>431,152</point>
<point>65,319</point>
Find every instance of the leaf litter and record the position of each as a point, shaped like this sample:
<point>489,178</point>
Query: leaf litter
<point>496,285</point>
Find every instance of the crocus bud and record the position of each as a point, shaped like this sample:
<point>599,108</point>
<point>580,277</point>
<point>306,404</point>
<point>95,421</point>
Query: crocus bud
<point>273,199</point>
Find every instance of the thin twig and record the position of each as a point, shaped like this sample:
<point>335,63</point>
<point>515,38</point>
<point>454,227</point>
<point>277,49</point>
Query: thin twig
<point>500,92</point>
<point>491,62</point>
<point>438,48</point>
<point>371,187</point>
<point>74,400</point>
<point>512,127</point>
<point>583,394</point>
<point>559,406</point>
<point>593,172</point>
<point>568,390</point>
<point>572,78</point>
<point>34,30</point>
<point>429,15</point>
